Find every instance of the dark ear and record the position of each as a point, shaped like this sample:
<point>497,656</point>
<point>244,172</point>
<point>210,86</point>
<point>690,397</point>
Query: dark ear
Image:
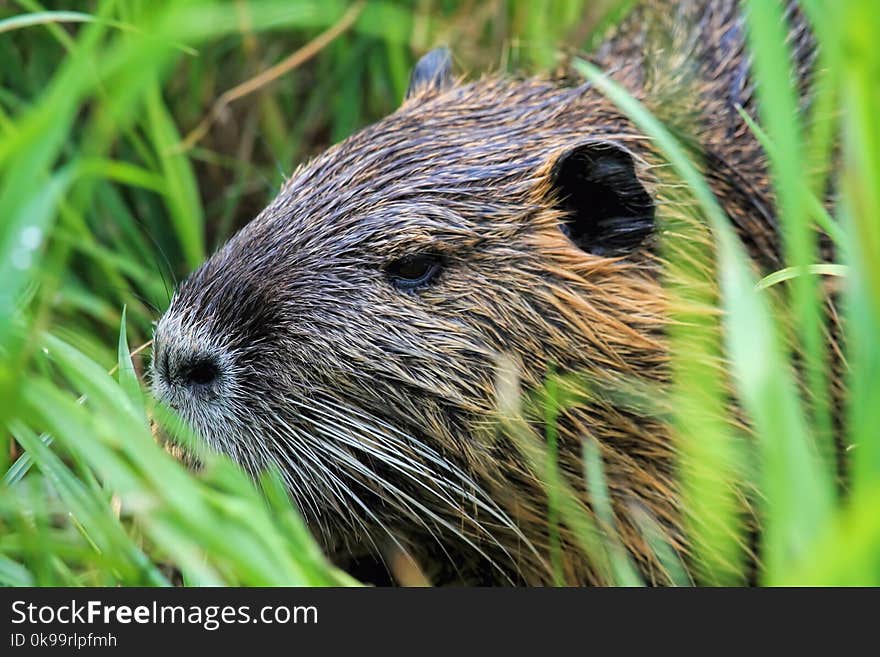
<point>432,74</point>
<point>608,211</point>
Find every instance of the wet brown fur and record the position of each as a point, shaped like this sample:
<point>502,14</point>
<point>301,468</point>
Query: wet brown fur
<point>301,301</point>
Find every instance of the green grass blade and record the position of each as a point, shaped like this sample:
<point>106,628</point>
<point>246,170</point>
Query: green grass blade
<point>793,272</point>
<point>778,106</point>
<point>861,187</point>
<point>797,492</point>
<point>127,376</point>
<point>624,569</point>
<point>181,191</point>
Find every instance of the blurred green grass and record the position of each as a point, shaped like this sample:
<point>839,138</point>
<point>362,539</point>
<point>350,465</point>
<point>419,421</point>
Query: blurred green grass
<point>101,210</point>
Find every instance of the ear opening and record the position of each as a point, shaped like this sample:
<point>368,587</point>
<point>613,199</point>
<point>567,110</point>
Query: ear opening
<point>608,211</point>
<point>432,73</point>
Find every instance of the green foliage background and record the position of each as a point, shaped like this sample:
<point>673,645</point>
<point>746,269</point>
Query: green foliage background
<point>102,208</point>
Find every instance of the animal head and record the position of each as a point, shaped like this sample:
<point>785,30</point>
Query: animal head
<point>350,333</point>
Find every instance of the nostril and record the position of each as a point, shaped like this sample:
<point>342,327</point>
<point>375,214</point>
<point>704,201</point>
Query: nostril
<point>200,371</point>
<point>163,368</point>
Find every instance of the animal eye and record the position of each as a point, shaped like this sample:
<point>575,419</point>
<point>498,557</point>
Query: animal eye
<point>412,272</point>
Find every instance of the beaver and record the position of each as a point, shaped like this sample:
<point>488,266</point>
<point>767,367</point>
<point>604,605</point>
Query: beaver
<point>352,334</point>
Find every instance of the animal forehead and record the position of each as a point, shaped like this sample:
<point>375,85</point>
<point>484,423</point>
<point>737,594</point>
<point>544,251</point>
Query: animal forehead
<point>484,130</point>
<point>462,146</point>
<point>473,153</point>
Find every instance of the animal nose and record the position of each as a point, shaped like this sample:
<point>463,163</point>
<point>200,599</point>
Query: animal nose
<point>199,371</point>
<point>188,370</point>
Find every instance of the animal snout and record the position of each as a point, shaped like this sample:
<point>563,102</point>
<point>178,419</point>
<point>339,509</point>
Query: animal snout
<point>199,371</point>
<point>184,367</point>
